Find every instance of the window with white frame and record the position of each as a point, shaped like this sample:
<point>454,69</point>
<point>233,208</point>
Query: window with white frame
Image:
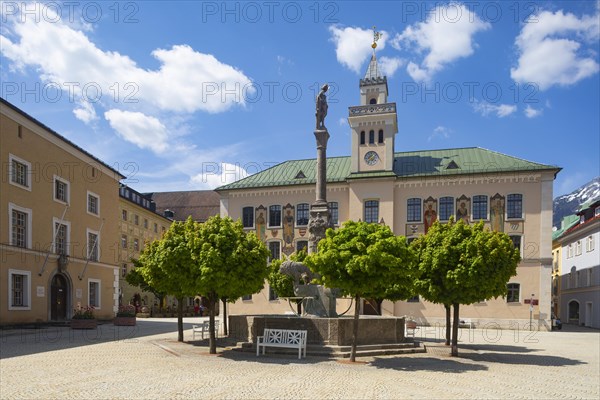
<point>302,214</point>
<point>124,270</point>
<point>20,226</point>
<point>413,210</point>
<point>513,294</point>
<point>93,244</point>
<point>372,211</point>
<point>136,219</point>
<point>248,217</point>
<point>570,250</point>
<point>274,216</point>
<point>446,208</point>
<point>480,208</point>
<point>94,293</point>
<point>123,241</point>
<point>334,214</point>
<point>136,244</point>
<point>61,189</point>
<point>590,243</point>
<point>19,290</point>
<point>93,203</point>
<point>578,248</point>
<point>19,171</point>
<point>61,236</point>
<point>124,215</point>
<point>275,249</point>
<point>514,206</point>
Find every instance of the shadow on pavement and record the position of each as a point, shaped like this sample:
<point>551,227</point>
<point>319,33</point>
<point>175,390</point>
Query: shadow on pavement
<point>431,364</point>
<point>496,348</point>
<point>24,341</point>
<point>520,359</point>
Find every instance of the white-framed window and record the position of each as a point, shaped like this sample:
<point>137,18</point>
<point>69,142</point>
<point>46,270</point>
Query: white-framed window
<point>570,250</point>
<point>136,219</point>
<point>479,208</point>
<point>514,206</point>
<point>19,290</point>
<point>513,294</point>
<point>62,236</point>
<point>123,241</point>
<point>371,211</point>
<point>274,216</point>
<point>334,214</point>
<point>248,217</point>
<point>136,244</point>
<point>302,214</point>
<point>590,243</point>
<point>413,210</point>
<point>124,215</point>
<point>94,293</point>
<point>517,242</point>
<point>93,245</point>
<point>19,172</point>
<point>578,248</point>
<point>93,203</point>
<point>124,270</point>
<point>61,190</point>
<point>19,226</point>
<point>275,250</point>
<point>446,208</point>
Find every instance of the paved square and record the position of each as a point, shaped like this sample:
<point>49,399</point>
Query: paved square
<point>147,362</point>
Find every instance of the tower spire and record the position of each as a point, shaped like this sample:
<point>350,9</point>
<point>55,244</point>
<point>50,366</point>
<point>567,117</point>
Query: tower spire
<point>373,70</point>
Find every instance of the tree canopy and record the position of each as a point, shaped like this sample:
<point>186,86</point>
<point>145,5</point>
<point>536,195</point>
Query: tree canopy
<point>364,260</point>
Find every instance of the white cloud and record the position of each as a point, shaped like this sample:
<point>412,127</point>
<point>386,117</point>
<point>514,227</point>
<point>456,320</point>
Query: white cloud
<point>440,132</point>
<point>142,130</point>
<point>343,121</point>
<point>501,110</point>
<point>86,112</point>
<point>446,35</point>
<point>531,112</point>
<point>548,57</point>
<point>389,65</point>
<point>186,81</point>
<point>353,45</point>
<point>217,175</point>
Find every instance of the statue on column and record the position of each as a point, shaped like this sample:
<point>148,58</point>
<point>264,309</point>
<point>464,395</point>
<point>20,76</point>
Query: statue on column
<point>321,112</point>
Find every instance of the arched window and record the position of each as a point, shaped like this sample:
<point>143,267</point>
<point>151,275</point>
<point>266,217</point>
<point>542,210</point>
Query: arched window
<point>373,101</point>
<point>380,138</point>
<point>362,137</point>
<point>371,137</point>
<point>574,311</point>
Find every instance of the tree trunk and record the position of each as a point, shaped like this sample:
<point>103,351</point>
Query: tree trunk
<point>355,328</point>
<point>299,307</point>
<point>212,300</point>
<point>454,350</point>
<point>379,303</point>
<point>448,324</point>
<point>224,300</point>
<point>180,319</point>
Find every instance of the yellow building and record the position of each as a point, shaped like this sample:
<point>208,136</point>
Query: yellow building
<point>408,191</point>
<point>58,224</point>
<point>138,224</point>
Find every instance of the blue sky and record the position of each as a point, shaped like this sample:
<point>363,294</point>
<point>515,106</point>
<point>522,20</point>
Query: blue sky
<point>192,95</point>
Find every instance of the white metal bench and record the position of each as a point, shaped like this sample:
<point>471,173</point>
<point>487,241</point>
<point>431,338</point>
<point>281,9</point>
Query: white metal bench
<point>204,327</point>
<point>410,328</point>
<point>466,322</point>
<point>282,338</point>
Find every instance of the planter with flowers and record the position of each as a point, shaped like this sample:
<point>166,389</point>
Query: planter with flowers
<point>125,316</point>
<point>83,318</point>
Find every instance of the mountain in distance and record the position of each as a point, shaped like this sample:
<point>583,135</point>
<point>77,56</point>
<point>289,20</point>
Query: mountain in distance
<point>569,203</point>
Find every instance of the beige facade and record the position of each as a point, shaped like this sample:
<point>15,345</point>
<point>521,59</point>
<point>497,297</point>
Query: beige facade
<point>407,191</point>
<point>138,225</point>
<point>58,226</point>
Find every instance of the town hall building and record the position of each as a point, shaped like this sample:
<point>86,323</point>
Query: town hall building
<point>407,191</point>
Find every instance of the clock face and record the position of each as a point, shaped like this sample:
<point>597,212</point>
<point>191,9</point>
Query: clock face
<point>371,158</point>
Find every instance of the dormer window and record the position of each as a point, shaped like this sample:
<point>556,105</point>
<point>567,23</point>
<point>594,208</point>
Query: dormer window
<point>373,101</point>
<point>597,211</point>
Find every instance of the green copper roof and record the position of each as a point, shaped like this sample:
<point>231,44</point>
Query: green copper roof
<point>472,160</point>
<point>567,222</point>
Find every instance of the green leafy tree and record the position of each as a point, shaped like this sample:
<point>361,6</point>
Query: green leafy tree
<point>228,263</point>
<point>364,260</point>
<point>167,266</point>
<point>135,278</point>
<point>463,264</point>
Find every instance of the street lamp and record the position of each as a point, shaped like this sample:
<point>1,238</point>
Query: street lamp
<point>531,312</point>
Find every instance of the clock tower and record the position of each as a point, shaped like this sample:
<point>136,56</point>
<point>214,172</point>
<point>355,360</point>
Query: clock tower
<point>374,123</point>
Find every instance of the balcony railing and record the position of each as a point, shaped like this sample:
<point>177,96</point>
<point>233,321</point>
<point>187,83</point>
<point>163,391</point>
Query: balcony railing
<point>371,109</point>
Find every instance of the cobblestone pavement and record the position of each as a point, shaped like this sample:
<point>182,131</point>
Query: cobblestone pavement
<point>147,362</point>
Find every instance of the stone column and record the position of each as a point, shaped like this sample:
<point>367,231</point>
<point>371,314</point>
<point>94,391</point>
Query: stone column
<point>319,212</point>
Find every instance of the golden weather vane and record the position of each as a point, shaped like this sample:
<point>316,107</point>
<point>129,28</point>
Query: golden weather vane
<point>376,37</point>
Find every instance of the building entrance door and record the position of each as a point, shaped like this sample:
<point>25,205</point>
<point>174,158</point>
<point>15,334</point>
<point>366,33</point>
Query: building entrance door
<point>58,298</point>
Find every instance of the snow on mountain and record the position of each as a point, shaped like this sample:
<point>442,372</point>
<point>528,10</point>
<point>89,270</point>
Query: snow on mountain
<point>569,203</point>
